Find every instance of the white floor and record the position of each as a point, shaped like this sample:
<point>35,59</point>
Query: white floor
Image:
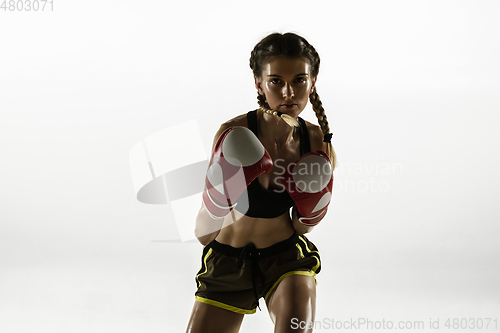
<point>60,285</point>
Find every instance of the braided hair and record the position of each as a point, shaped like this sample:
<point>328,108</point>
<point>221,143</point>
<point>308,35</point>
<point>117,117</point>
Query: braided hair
<point>290,45</point>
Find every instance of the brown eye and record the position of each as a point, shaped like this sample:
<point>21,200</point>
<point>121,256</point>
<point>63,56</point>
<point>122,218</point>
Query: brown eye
<point>300,79</point>
<point>275,81</point>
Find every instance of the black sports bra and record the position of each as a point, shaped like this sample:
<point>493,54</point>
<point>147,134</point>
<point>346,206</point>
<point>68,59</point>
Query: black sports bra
<point>264,203</point>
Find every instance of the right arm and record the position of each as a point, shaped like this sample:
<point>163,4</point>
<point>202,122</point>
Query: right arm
<point>207,228</point>
<point>238,158</point>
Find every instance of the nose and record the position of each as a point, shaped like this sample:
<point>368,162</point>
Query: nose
<point>288,91</point>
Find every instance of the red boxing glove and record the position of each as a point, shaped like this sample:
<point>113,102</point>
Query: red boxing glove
<point>309,182</point>
<point>239,157</point>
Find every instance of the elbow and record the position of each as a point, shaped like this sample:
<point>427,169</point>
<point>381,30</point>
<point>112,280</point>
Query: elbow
<point>302,229</point>
<point>203,239</point>
<point>205,236</point>
<point>206,228</point>
<point>308,230</point>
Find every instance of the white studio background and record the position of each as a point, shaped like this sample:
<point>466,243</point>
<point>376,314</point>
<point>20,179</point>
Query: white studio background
<point>411,91</point>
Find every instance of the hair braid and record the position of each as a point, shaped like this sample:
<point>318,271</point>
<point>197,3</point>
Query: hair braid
<point>290,45</point>
<point>261,100</point>
<point>317,106</point>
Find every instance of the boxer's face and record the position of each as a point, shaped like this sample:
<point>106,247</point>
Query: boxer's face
<point>286,83</point>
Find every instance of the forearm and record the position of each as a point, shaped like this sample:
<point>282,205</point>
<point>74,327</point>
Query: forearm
<point>299,227</point>
<point>311,191</point>
<point>206,228</point>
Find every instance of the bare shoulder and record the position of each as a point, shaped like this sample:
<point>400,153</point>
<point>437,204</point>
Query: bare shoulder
<point>240,120</point>
<point>315,137</point>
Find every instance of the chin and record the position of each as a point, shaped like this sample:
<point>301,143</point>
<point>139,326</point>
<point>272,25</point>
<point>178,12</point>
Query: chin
<point>296,108</point>
<point>292,112</point>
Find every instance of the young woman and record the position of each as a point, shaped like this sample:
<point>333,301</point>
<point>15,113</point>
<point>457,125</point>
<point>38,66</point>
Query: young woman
<point>253,247</point>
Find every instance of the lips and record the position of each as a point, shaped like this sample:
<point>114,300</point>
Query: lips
<point>288,105</point>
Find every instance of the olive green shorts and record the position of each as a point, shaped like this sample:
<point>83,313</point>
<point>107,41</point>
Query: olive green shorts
<point>236,278</point>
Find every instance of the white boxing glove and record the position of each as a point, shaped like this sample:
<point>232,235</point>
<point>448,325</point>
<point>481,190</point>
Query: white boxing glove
<point>239,157</point>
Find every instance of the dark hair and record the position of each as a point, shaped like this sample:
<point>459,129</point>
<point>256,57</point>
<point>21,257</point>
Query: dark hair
<point>290,45</point>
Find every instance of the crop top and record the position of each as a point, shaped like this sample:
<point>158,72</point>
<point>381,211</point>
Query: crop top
<point>262,202</point>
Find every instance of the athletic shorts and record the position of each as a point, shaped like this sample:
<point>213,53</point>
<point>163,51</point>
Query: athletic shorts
<point>236,278</point>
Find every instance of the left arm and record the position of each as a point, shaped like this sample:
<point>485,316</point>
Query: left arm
<point>299,227</point>
<point>317,144</point>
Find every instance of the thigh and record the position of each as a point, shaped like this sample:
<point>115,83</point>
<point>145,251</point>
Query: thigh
<point>293,299</point>
<point>207,318</point>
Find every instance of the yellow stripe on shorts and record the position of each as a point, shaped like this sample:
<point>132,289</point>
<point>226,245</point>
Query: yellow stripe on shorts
<point>204,265</point>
